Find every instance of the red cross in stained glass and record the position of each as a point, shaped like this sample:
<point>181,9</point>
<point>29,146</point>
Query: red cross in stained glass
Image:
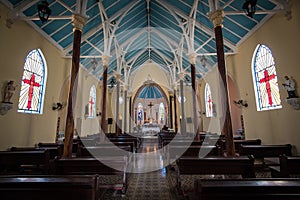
<point>31,84</point>
<point>91,106</point>
<point>209,104</point>
<point>266,80</point>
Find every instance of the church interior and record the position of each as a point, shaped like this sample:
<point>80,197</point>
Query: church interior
<point>149,99</point>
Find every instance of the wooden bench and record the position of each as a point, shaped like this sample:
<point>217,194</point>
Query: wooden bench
<point>89,166</point>
<point>119,144</point>
<point>238,143</point>
<point>193,151</point>
<point>289,165</point>
<point>23,162</point>
<point>214,165</point>
<point>53,151</point>
<point>119,140</point>
<point>266,189</point>
<point>104,150</point>
<point>46,145</point>
<point>49,187</point>
<point>266,155</point>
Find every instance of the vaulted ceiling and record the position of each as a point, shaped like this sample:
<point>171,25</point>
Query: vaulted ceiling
<point>145,31</point>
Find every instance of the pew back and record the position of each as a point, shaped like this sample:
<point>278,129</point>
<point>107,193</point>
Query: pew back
<point>267,189</point>
<point>49,187</point>
<point>19,162</point>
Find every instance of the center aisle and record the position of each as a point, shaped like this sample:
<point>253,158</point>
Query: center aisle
<point>152,185</point>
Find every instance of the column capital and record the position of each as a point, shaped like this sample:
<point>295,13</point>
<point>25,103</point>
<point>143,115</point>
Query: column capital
<point>217,17</point>
<point>193,58</point>
<point>105,60</point>
<point>118,77</point>
<point>78,21</point>
<point>125,87</point>
<point>181,75</point>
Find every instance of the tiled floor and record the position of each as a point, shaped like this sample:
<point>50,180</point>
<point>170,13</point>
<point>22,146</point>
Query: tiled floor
<point>148,179</point>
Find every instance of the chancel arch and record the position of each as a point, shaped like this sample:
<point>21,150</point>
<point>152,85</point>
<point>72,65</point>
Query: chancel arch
<point>150,98</point>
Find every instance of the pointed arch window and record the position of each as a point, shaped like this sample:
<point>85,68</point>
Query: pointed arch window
<point>140,112</point>
<point>161,113</point>
<point>208,101</point>
<point>265,79</point>
<point>92,102</point>
<point>33,85</point>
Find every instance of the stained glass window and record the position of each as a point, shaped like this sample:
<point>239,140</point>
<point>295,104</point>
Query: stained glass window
<point>92,102</point>
<point>140,112</point>
<point>208,101</point>
<point>265,79</point>
<point>161,112</point>
<point>33,83</point>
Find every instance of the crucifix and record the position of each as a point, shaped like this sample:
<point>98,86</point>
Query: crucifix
<point>150,106</point>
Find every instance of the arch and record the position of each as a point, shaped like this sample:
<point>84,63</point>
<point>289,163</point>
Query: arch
<point>33,84</point>
<point>147,84</point>
<point>265,79</point>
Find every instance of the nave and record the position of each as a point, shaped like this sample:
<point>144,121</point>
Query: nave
<point>157,168</point>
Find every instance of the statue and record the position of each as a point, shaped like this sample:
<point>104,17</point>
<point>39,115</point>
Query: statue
<point>289,85</point>
<point>9,92</point>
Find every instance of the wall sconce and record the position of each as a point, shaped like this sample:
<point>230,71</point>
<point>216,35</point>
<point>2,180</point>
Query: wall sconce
<point>98,114</point>
<point>44,11</point>
<point>250,7</point>
<point>57,106</point>
<point>241,103</point>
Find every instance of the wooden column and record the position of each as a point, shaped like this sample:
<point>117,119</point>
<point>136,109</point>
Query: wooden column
<point>118,125</point>
<point>130,114</point>
<point>78,23</point>
<point>105,61</point>
<point>125,111</point>
<point>175,111</point>
<point>217,18</point>
<point>193,58</point>
<point>171,111</point>
<point>183,122</point>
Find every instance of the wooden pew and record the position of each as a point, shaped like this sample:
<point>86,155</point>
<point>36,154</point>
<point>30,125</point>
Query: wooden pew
<point>90,166</point>
<point>49,187</point>
<point>238,143</point>
<point>266,189</point>
<point>61,145</point>
<point>266,155</point>
<point>289,165</point>
<point>53,151</point>
<point>214,165</point>
<point>119,144</point>
<point>104,150</point>
<point>193,151</point>
<point>118,140</point>
<point>23,162</point>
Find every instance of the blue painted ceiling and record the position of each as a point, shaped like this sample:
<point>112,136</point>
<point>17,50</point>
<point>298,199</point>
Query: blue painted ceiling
<point>148,32</point>
<point>150,92</point>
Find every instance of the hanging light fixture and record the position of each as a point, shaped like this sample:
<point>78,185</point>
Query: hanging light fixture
<point>44,11</point>
<point>250,7</point>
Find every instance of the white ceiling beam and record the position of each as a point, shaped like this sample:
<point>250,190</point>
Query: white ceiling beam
<point>66,6</point>
<point>226,4</point>
<point>199,25</point>
<point>258,12</point>
<point>50,18</point>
